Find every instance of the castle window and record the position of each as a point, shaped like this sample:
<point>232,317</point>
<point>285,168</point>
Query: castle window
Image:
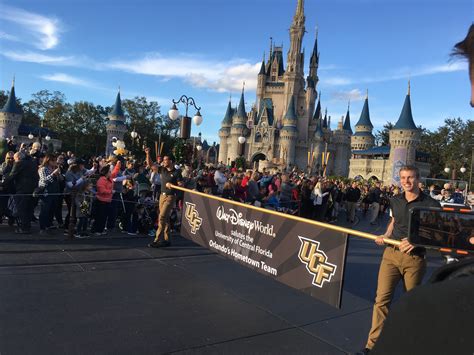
<point>273,78</point>
<point>258,137</point>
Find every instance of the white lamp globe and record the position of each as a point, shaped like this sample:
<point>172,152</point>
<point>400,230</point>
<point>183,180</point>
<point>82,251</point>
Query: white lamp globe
<point>242,139</point>
<point>173,113</point>
<point>447,170</point>
<point>197,119</point>
<point>199,148</point>
<point>134,134</point>
<point>114,144</point>
<point>48,138</point>
<point>30,136</point>
<point>463,169</point>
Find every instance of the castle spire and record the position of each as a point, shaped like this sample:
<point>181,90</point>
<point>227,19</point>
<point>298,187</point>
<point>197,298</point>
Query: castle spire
<point>262,68</point>
<point>10,105</point>
<point>347,121</point>
<point>325,121</point>
<point>299,10</point>
<point>315,54</point>
<point>297,31</point>
<point>317,113</point>
<point>228,115</point>
<point>364,119</point>
<point>405,121</point>
<point>117,109</point>
<point>241,109</point>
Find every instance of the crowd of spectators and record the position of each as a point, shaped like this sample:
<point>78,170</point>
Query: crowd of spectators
<point>115,193</point>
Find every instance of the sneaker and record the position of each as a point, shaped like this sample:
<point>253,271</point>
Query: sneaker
<point>97,234</point>
<point>131,233</point>
<point>104,232</point>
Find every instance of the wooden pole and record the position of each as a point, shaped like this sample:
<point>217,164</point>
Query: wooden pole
<point>350,232</point>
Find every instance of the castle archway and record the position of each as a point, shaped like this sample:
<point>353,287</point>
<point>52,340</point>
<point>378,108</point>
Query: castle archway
<point>256,159</point>
<point>258,156</point>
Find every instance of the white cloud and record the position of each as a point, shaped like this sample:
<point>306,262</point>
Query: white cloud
<point>220,76</point>
<point>352,95</point>
<point>336,81</point>
<point>44,29</point>
<point>66,78</point>
<point>34,57</point>
<point>401,73</point>
<point>8,37</point>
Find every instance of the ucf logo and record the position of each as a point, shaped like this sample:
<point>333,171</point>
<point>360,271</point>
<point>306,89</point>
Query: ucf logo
<point>192,216</point>
<point>316,261</point>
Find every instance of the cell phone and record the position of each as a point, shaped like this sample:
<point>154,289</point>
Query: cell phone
<point>446,229</point>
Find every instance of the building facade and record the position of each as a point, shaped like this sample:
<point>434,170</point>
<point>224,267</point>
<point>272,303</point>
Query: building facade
<point>286,126</point>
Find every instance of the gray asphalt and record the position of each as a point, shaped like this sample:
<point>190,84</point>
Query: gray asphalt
<point>116,296</point>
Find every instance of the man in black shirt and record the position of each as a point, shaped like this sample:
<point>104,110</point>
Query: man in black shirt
<point>169,176</point>
<point>405,262</point>
<point>352,197</point>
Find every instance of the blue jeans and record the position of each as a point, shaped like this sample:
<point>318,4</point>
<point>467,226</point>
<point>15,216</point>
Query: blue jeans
<point>48,206</point>
<point>82,225</point>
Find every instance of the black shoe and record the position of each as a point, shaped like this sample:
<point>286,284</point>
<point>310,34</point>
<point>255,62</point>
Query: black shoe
<point>22,231</point>
<point>160,244</point>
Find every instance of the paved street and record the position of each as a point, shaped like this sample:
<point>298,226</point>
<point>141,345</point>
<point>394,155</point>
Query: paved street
<point>116,296</point>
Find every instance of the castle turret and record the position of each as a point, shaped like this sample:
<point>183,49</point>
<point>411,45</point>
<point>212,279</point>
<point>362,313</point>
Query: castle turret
<point>363,137</point>
<point>116,124</point>
<point>261,80</point>
<point>312,79</point>
<point>288,134</point>
<point>10,116</point>
<point>294,75</point>
<point>238,128</point>
<point>224,134</point>
<point>342,141</point>
<point>404,139</point>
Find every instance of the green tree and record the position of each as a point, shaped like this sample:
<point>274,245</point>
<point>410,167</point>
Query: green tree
<point>146,119</point>
<point>382,137</point>
<point>449,146</point>
<point>42,102</point>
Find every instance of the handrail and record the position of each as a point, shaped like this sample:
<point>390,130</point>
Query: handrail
<point>295,218</point>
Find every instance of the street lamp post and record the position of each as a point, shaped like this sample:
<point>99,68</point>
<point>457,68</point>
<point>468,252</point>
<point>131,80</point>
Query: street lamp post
<point>185,127</point>
<point>199,148</point>
<point>242,141</point>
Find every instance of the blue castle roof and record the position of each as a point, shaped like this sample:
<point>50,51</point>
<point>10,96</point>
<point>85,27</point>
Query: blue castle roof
<point>117,109</point>
<point>364,119</point>
<point>10,105</point>
<point>405,121</point>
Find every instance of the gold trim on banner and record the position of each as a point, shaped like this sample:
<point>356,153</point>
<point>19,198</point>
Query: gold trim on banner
<point>352,232</point>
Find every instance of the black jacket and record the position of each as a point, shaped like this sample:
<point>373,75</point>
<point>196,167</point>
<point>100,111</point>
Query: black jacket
<point>24,175</point>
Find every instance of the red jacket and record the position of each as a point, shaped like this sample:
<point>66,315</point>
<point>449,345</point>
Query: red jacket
<point>105,185</point>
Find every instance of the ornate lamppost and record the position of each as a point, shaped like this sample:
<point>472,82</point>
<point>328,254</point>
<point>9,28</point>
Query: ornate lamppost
<point>185,126</point>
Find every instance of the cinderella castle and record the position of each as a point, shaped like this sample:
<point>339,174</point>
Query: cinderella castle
<point>286,126</point>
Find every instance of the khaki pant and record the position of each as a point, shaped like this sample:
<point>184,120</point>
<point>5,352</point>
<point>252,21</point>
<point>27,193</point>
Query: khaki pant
<point>351,210</point>
<point>374,211</point>
<point>166,205</point>
<point>395,266</point>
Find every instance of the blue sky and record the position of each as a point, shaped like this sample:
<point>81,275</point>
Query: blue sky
<point>206,49</point>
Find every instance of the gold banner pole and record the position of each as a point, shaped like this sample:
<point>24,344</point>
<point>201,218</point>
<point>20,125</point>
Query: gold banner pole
<point>350,232</point>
